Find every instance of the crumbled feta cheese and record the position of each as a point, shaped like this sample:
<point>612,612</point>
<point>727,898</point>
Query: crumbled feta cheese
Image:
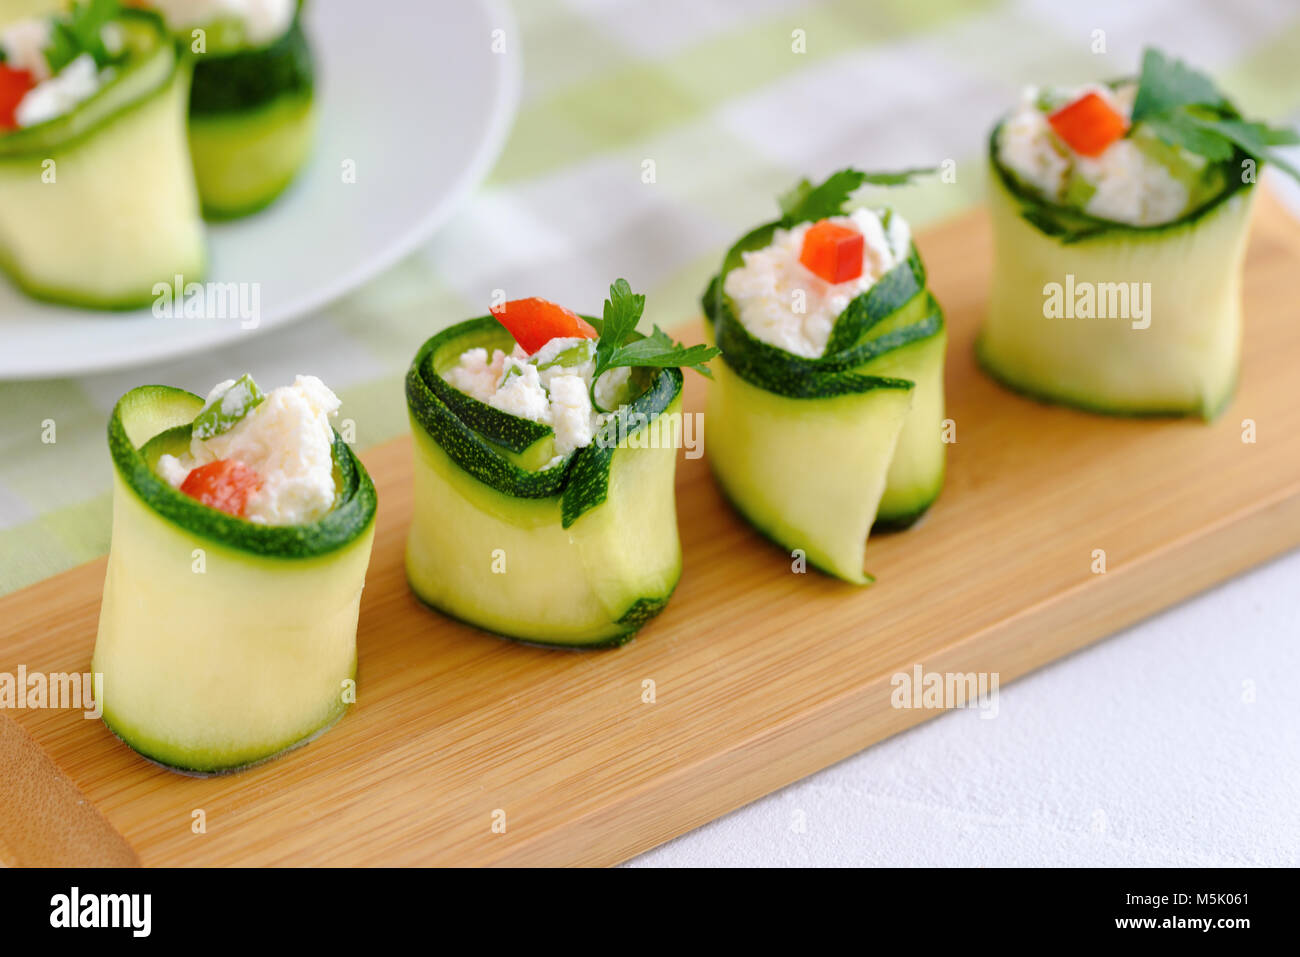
<point>77,81</point>
<point>571,413</point>
<point>560,356</point>
<point>552,386</point>
<point>899,236</point>
<point>1131,187</point>
<point>520,391</point>
<point>263,20</point>
<point>171,471</point>
<point>785,304</point>
<point>475,374</point>
<point>1030,149</point>
<point>287,440</point>
<point>1128,185</point>
<point>24,43</point>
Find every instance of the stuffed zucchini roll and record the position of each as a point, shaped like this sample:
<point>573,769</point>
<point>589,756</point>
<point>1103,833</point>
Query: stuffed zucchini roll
<point>1120,215</point>
<point>251,114</point>
<point>97,199</point>
<point>825,414</point>
<point>545,450</point>
<point>242,528</point>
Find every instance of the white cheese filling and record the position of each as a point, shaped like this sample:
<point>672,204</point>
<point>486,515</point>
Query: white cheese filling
<point>552,386</point>
<point>75,83</point>
<point>1126,184</point>
<point>262,20</point>
<point>287,440</point>
<point>785,304</point>
<point>25,42</point>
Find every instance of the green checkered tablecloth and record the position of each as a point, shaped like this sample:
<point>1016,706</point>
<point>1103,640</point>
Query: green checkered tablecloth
<point>731,100</point>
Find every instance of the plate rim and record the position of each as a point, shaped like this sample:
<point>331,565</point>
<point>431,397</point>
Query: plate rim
<point>504,108</point>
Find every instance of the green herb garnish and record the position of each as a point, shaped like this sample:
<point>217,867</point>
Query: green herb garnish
<point>227,408</point>
<point>1183,107</point>
<point>568,358</point>
<point>80,31</point>
<point>807,203</point>
<point>620,345</point>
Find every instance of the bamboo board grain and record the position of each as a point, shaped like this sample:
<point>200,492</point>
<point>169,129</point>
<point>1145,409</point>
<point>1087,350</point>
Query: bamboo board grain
<point>761,675</point>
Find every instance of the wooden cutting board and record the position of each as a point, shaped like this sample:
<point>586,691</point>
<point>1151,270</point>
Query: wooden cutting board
<point>761,675</point>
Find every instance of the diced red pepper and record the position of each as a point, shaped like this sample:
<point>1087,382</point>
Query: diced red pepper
<point>225,484</point>
<point>1088,125</point>
<point>14,85</point>
<point>535,322</point>
<point>832,251</point>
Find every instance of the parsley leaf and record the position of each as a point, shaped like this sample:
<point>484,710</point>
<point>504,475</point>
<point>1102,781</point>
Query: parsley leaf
<point>80,31</point>
<point>1255,139</point>
<point>1179,128</point>
<point>622,311</point>
<point>621,346</point>
<point>1183,107</point>
<point>808,203</point>
<point>1166,84</point>
<point>659,351</point>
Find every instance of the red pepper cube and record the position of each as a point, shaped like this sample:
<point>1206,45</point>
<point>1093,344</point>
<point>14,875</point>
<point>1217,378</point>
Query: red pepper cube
<point>14,85</point>
<point>535,322</point>
<point>225,485</point>
<point>832,251</point>
<point>1088,125</point>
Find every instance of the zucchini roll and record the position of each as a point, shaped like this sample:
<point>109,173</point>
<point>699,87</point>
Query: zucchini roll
<point>97,197</point>
<point>545,451</point>
<point>1120,216</point>
<point>242,528</point>
<point>825,414</point>
<point>251,115</point>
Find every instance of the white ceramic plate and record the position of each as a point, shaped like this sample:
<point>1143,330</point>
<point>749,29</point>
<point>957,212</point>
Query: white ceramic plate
<point>409,92</point>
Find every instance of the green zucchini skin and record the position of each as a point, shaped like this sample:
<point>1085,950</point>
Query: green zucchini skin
<point>458,434</point>
<point>214,667</point>
<point>891,339</point>
<point>1089,228</point>
<point>351,515</point>
<point>126,140</point>
<point>235,81</point>
<point>251,122</point>
<point>591,543</point>
<point>1186,362</point>
<point>441,352</point>
<point>641,612</point>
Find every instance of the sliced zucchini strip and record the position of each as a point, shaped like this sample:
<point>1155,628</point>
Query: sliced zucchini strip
<point>252,120</point>
<point>817,452</point>
<point>98,205</point>
<point>582,553</point>
<point>222,642</point>
<point>1180,358</point>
